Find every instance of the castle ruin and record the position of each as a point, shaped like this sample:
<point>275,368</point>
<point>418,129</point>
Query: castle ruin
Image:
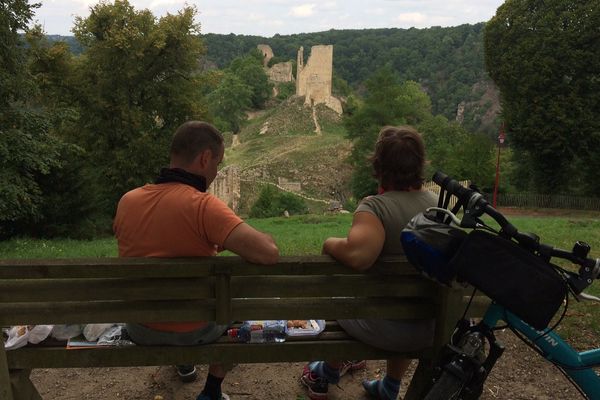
<point>314,79</point>
<point>280,72</point>
<point>226,186</point>
<point>267,53</point>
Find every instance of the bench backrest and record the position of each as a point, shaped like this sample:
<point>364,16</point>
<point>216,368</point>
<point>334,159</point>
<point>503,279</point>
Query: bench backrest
<point>65,291</point>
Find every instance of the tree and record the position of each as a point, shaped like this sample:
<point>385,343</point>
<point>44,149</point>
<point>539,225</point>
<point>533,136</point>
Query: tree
<point>137,83</point>
<point>545,57</point>
<point>229,101</point>
<point>456,152</point>
<point>250,71</point>
<point>387,102</point>
<point>27,150</point>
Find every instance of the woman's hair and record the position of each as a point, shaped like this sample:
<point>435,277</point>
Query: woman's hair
<point>399,158</point>
<point>193,137</point>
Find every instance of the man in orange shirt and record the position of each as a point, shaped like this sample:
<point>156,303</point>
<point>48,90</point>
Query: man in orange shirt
<point>175,217</point>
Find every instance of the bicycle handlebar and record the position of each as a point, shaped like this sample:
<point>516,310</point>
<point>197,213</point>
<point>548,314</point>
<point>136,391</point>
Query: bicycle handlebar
<point>475,205</point>
<point>474,202</point>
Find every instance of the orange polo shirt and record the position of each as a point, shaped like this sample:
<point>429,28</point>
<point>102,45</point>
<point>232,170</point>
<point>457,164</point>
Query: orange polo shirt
<point>172,220</point>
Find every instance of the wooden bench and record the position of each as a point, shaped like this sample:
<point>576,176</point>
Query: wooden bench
<point>68,291</point>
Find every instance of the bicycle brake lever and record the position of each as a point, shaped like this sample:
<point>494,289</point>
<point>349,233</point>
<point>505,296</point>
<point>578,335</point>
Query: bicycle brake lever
<point>584,296</point>
<point>447,212</point>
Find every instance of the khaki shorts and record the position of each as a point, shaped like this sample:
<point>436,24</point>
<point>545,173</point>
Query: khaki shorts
<point>391,335</point>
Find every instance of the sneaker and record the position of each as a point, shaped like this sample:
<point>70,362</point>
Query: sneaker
<point>317,386</point>
<point>375,390</point>
<point>351,366</point>
<point>187,373</point>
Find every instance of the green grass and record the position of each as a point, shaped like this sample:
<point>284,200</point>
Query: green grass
<point>297,235</point>
<point>304,234</point>
<point>58,248</point>
<point>562,231</point>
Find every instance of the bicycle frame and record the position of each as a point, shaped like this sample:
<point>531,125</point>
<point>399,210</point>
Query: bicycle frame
<point>554,348</point>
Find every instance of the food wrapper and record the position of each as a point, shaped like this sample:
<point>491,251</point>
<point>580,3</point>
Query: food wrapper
<point>308,327</point>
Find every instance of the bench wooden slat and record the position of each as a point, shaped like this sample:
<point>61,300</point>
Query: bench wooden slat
<point>330,285</point>
<point>185,267</point>
<point>47,290</point>
<point>249,309</point>
<point>333,308</point>
<point>223,352</point>
<point>69,290</point>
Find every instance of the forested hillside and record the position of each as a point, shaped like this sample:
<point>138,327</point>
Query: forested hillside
<point>447,62</point>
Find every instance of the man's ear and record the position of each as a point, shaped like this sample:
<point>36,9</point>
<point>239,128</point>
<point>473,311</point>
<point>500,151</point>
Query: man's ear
<point>203,158</point>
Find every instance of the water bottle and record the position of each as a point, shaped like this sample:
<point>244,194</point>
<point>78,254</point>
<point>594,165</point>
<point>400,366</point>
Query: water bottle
<point>273,331</point>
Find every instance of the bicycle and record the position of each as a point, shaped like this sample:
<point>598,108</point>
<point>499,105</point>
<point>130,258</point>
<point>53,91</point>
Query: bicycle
<point>473,350</point>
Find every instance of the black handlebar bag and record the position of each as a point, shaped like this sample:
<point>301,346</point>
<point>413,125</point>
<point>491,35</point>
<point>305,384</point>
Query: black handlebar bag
<point>513,277</point>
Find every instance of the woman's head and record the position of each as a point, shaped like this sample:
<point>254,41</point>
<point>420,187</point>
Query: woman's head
<point>399,158</point>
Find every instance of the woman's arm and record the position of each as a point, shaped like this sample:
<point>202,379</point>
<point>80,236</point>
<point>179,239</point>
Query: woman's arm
<point>363,244</point>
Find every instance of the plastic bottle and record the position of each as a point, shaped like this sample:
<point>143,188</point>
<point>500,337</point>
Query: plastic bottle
<point>273,331</point>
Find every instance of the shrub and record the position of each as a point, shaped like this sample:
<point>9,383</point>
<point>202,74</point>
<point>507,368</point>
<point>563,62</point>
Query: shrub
<point>285,90</point>
<point>273,203</point>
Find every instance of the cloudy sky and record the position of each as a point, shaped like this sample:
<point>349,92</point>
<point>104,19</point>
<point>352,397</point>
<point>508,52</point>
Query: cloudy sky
<point>268,17</point>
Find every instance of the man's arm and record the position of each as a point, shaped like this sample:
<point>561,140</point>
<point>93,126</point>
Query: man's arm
<point>252,245</point>
<point>363,244</point>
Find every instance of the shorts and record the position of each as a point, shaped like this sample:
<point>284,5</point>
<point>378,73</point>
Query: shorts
<point>145,336</point>
<point>391,335</point>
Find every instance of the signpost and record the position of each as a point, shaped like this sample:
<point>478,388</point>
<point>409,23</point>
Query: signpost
<point>501,137</point>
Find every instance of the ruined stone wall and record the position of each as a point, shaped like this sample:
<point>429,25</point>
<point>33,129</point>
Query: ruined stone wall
<point>314,80</point>
<point>226,187</point>
<point>267,52</point>
<point>281,72</point>
<point>289,185</point>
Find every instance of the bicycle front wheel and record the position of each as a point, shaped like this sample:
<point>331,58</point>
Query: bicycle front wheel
<point>447,387</point>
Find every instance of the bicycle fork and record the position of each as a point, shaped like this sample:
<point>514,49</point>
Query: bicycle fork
<point>469,362</point>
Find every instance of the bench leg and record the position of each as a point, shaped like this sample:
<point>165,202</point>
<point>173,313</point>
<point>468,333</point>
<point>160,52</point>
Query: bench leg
<point>5,389</point>
<point>421,381</point>
<point>22,387</point>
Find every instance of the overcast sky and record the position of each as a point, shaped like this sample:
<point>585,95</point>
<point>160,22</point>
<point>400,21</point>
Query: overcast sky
<point>268,17</point>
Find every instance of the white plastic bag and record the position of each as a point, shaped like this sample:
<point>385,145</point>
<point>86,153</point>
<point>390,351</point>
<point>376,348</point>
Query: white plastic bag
<point>39,332</point>
<point>65,332</point>
<point>115,336</point>
<point>93,331</point>
<point>17,337</point>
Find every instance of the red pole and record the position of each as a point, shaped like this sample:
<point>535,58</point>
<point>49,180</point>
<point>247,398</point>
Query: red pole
<point>497,179</point>
<point>500,141</point>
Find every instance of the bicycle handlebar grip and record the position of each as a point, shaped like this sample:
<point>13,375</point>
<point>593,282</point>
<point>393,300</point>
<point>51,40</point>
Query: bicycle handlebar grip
<point>452,186</point>
<point>439,178</point>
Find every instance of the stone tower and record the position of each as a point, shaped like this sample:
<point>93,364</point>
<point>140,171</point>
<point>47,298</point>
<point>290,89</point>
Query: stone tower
<point>314,80</point>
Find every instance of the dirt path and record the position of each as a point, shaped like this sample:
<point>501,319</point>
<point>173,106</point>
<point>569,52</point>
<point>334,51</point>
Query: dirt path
<point>519,375</point>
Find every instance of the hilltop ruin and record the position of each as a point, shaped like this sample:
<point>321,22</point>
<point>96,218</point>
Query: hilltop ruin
<point>314,80</point>
<point>280,72</point>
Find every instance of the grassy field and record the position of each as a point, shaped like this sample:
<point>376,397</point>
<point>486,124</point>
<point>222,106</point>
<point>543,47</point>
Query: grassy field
<point>304,235</point>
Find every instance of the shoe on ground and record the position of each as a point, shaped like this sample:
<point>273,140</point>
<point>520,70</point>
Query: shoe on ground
<point>351,366</point>
<point>187,373</point>
<point>204,397</point>
<point>317,386</point>
<point>374,389</point>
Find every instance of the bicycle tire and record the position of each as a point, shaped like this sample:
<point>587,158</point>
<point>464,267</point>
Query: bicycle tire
<point>447,387</point>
